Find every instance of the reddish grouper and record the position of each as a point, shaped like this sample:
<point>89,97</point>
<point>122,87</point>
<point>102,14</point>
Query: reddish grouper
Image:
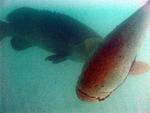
<point>111,62</point>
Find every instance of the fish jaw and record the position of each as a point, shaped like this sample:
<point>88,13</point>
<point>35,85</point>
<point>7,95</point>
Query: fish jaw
<point>85,97</point>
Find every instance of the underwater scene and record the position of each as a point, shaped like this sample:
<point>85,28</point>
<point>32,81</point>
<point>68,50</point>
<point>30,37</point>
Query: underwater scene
<point>73,56</point>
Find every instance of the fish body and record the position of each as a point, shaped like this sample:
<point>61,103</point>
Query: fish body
<point>54,32</point>
<point>111,62</point>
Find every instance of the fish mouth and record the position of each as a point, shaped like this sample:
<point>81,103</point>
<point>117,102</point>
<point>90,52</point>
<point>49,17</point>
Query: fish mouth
<point>85,97</point>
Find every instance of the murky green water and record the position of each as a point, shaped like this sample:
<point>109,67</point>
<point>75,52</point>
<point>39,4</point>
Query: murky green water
<point>29,84</point>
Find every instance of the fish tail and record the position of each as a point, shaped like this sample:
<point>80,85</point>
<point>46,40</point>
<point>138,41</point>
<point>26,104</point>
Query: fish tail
<point>4,29</point>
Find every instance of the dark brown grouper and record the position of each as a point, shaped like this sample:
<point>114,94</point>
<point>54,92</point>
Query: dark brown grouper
<point>63,35</point>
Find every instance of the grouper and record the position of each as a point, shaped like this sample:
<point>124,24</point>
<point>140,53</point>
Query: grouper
<point>113,60</point>
<point>63,35</point>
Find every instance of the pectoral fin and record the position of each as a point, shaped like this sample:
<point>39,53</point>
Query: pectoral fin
<point>4,30</point>
<point>139,68</point>
<point>19,44</point>
<point>57,58</point>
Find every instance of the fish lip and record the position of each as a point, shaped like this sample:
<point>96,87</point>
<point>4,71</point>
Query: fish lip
<point>101,99</point>
<point>85,97</point>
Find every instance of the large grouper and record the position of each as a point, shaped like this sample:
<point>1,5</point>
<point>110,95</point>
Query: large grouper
<point>64,36</point>
<point>115,59</point>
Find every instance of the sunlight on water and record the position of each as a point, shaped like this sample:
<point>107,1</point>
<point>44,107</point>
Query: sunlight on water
<point>29,84</point>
